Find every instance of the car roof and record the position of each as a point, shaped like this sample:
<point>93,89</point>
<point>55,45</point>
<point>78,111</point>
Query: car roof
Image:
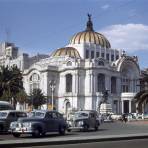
<point>44,111</point>
<point>8,111</point>
<point>87,111</point>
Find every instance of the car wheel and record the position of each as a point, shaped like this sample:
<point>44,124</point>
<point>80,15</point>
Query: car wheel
<point>96,127</point>
<point>69,130</point>
<point>16,135</point>
<point>37,132</point>
<point>62,130</point>
<point>1,128</point>
<point>85,128</point>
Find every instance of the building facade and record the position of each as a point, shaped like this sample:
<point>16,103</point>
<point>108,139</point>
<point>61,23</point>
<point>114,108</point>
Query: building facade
<point>141,98</point>
<point>80,72</point>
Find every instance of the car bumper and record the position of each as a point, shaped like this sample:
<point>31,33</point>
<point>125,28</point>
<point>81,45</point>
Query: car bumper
<point>21,130</point>
<point>75,128</point>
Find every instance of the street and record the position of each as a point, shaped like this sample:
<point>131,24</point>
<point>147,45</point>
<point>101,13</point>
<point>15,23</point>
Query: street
<point>115,128</point>
<point>139,143</point>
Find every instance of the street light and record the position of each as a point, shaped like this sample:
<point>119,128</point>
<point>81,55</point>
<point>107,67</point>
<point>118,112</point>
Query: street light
<point>52,86</point>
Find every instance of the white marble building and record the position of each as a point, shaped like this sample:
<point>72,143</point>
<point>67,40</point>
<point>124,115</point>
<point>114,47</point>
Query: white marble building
<point>81,71</point>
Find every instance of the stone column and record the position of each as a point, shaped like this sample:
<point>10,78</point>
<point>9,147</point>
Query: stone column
<point>122,104</point>
<point>130,106</point>
<point>76,85</point>
<point>90,83</point>
<point>107,82</point>
<point>95,82</point>
<point>118,85</point>
<point>105,53</point>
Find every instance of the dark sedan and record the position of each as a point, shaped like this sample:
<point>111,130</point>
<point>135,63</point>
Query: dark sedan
<point>8,116</point>
<point>38,123</point>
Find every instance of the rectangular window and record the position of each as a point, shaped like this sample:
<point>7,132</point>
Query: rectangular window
<point>92,54</point>
<point>125,88</point>
<point>102,55</point>
<point>87,54</point>
<point>117,57</point>
<point>112,57</point>
<point>97,54</point>
<point>107,56</point>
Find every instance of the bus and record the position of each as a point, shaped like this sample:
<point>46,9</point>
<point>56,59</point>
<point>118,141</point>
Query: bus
<point>6,106</point>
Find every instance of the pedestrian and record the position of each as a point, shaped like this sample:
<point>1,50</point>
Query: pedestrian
<point>124,118</point>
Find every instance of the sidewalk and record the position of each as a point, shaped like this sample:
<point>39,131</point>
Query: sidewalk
<point>139,122</point>
<point>69,140</point>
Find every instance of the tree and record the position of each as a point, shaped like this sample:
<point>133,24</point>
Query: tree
<point>21,97</point>
<point>37,98</point>
<point>10,83</point>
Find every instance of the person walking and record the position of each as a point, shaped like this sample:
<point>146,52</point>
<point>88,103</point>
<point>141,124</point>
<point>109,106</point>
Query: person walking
<point>124,118</point>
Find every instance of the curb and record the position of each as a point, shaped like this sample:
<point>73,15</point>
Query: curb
<point>69,140</point>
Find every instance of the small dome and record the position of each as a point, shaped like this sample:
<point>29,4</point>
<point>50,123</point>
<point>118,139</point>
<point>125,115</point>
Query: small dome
<point>90,36</point>
<point>67,51</point>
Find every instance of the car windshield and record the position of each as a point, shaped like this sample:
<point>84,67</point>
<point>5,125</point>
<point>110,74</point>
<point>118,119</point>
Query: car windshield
<point>3,114</point>
<point>79,114</point>
<point>37,114</point>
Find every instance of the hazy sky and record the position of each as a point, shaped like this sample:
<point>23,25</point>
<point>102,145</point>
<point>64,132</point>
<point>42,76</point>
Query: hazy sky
<point>41,26</point>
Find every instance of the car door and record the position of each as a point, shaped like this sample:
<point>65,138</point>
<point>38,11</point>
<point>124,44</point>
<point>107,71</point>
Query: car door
<point>92,119</point>
<point>11,117</point>
<point>48,120</point>
<point>55,121</point>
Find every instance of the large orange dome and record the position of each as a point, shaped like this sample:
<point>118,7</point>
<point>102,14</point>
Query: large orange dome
<point>90,36</point>
<point>66,51</point>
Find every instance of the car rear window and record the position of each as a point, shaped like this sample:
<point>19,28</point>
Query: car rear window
<point>20,114</point>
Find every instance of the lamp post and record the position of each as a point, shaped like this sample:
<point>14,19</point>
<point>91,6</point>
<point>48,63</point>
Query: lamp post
<point>52,86</point>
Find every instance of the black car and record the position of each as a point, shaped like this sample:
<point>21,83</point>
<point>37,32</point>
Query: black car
<point>8,116</point>
<point>39,123</point>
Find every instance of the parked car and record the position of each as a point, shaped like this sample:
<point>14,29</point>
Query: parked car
<point>39,123</point>
<point>138,115</point>
<point>84,120</point>
<point>116,116</point>
<point>107,118</point>
<point>4,105</point>
<point>129,116</point>
<point>8,116</point>
<point>145,116</point>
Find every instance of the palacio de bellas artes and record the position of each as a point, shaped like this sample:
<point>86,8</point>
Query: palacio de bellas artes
<point>76,76</point>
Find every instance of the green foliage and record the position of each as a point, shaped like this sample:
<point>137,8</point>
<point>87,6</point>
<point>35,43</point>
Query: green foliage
<point>21,97</point>
<point>10,83</point>
<point>37,98</point>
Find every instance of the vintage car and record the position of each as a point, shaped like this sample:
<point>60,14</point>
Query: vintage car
<point>8,116</point>
<point>39,123</point>
<point>84,120</point>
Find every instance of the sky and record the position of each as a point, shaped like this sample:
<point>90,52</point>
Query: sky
<point>41,26</point>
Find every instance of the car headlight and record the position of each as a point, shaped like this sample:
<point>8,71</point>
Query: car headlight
<point>69,123</point>
<point>26,124</point>
<point>80,123</point>
<point>13,124</point>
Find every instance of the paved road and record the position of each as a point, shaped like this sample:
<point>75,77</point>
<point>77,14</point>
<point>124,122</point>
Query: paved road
<point>116,128</point>
<point>143,143</point>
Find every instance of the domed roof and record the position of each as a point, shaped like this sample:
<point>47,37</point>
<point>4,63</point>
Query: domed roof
<point>66,51</point>
<point>90,36</point>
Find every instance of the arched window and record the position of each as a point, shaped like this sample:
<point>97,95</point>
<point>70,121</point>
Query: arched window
<point>101,82</point>
<point>34,81</point>
<point>68,83</point>
<point>69,63</point>
<point>113,85</point>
